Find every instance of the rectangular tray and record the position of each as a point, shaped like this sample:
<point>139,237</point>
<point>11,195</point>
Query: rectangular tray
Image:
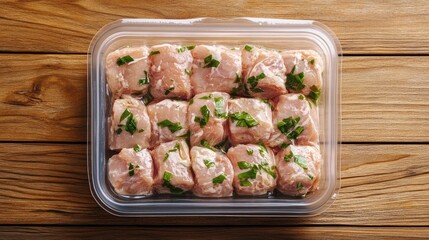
<point>271,33</point>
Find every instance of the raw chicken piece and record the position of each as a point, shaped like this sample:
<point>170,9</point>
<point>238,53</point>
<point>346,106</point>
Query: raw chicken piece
<point>127,70</point>
<point>131,172</point>
<point>213,173</point>
<point>129,124</point>
<point>254,169</point>
<point>250,120</point>
<point>293,121</point>
<point>215,68</point>
<point>169,72</point>
<point>214,105</point>
<point>298,168</point>
<point>304,70</point>
<point>168,119</point>
<point>173,167</point>
<point>263,72</point>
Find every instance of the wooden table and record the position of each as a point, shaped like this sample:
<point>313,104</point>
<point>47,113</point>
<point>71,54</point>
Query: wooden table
<point>385,111</point>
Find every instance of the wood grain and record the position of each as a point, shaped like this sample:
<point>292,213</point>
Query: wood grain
<point>382,185</point>
<point>43,98</point>
<point>225,232</point>
<point>366,27</point>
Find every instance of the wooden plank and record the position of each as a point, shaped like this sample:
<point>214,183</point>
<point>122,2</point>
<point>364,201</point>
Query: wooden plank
<point>43,98</point>
<point>375,27</point>
<point>382,185</point>
<point>224,232</point>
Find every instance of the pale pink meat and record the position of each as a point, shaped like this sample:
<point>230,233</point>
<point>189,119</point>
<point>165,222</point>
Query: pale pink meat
<point>131,172</point>
<point>296,107</point>
<point>173,167</point>
<point>259,111</point>
<point>168,110</point>
<point>299,169</point>
<point>133,129</point>
<point>209,78</point>
<point>169,72</point>
<point>268,68</point>
<point>213,173</point>
<point>215,130</point>
<point>254,169</point>
<point>129,77</point>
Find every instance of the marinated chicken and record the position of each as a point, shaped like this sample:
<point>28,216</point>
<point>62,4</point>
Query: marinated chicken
<point>131,171</point>
<point>129,124</point>
<point>213,173</point>
<point>173,167</point>
<point>215,68</point>
<point>304,73</point>
<point>298,168</point>
<point>263,72</point>
<point>168,120</point>
<point>127,70</point>
<point>250,120</point>
<point>169,72</point>
<point>207,116</point>
<point>293,122</point>
<point>254,169</point>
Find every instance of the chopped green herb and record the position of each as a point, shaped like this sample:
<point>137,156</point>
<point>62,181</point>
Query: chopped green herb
<point>299,186</point>
<point>301,161</point>
<point>137,148</point>
<point>295,133</point>
<point>301,97</point>
<point>147,98</point>
<point>314,94</point>
<point>236,90</point>
<point>243,119</point>
<point>124,115</point>
<point>262,149</point>
<point>248,48</point>
<point>124,59</point>
<point>191,102</point>
<point>245,176</point>
<point>206,144</point>
<point>219,108</point>
<point>219,179</point>
<point>118,131</point>
<point>132,168</point>
<point>288,124</point>
<point>144,80</point>
<point>253,81</point>
<point>169,90</point>
<point>174,149</point>
<point>206,116</point>
<point>295,82</point>
<point>289,157</point>
<point>284,145</point>
<point>268,102</point>
<point>270,171</point>
<point>312,61</point>
<point>209,61</point>
<point>244,165</point>
<point>166,183</point>
<point>173,127</point>
<point>207,97</point>
<point>154,53</point>
<point>237,78</point>
<point>249,151</point>
<point>208,163</point>
<point>182,49</point>
<point>310,176</point>
<point>131,124</point>
<point>188,72</point>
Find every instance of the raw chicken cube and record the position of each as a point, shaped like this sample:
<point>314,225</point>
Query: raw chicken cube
<point>173,167</point>
<point>263,72</point>
<point>254,169</point>
<point>127,70</point>
<point>293,122</point>
<point>131,171</point>
<point>298,168</point>
<point>304,72</point>
<point>169,120</point>
<point>250,120</point>
<point>129,124</point>
<point>169,72</point>
<point>215,68</point>
<point>207,116</point>
<point>213,173</point>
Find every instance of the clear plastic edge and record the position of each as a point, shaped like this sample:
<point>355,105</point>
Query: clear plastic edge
<point>329,34</point>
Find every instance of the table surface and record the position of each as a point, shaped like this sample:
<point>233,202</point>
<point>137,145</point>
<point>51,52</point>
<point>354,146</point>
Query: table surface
<point>385,119</point>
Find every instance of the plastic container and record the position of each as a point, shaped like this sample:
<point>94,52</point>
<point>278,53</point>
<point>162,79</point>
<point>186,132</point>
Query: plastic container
<point>272,33</point>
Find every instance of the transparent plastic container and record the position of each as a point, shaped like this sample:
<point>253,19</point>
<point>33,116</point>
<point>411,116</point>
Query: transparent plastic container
<point>271,33</point>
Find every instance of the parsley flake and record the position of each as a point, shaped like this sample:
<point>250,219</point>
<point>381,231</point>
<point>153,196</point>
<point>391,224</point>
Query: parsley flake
<point>123,60</point>
<point>243,119</point>
<point>173,127</point>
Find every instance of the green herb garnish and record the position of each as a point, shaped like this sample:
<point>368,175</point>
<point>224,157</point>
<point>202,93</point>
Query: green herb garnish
<point>154,53</point>
<point>130,125</point>
<point>124,115</point>
<point>301,97</point>
<point>188,72</point>
<point>173,127</point>
<point>249,151</point>
<point>169,90</point>
<point>245,176</point>
<point>244,165</point>
<point>182,49</point>
<point>295,133</point>
<point>174,149</point>
<point>289,157</point>
<point>314,94</point>
<point>206,116</point>
<point>137,148</point>
<point>206,144</point>
<point>294,82</point>
<point>243,119</point>
<point>219,108</point>
<point>166,183</point>
<point>310,176</point>
<point>124,59</point>
<point>301,161</point>
<point>209,61</point>
<point>237,78</point>
<point>299,186</point>
<point>219,179</point>
<point>208,163</point>
<point>207,97</point>
<point>270,171</point>
<point>248,48</point>
<point>268,102</point>
<point>118,131</point>
<point>144,80</point>
<point>132,168</point>
<point>288,124</point>
<point>253,81</point>
<point>312,61</point>
<point>191,102</point>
